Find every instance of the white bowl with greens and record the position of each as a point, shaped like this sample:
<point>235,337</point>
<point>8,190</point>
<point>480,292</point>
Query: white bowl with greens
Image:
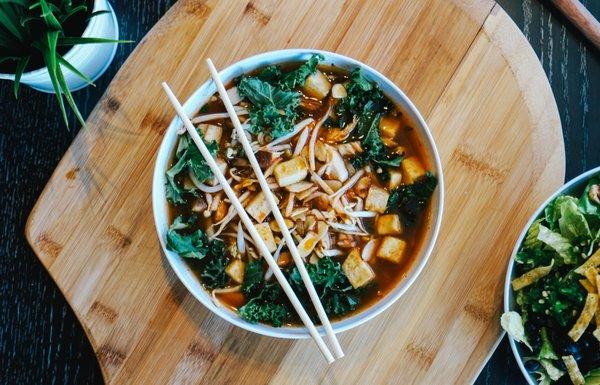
<point>229,278</point>
<point>551,295</point>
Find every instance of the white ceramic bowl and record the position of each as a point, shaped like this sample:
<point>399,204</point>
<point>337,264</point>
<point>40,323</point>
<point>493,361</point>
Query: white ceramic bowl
<point>575,186</point>
<point>199,98</point>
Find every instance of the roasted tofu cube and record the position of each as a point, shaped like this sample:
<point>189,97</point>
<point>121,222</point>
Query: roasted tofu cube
<point>391,249</point>
<point>258,208</point>
<point>412,169</point>
<point>236,270</point>
<point>264,230</point>
<point>317,85</point>
<point>291,171</point>
<point>211,132</point>
<point>388,224</point>
<point>358,272</point>
<point>395,179</point>
<point>377,199</point>
<point>389,126</point>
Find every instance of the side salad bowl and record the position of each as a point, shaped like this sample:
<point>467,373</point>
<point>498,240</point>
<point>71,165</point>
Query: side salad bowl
<point>516,323</point>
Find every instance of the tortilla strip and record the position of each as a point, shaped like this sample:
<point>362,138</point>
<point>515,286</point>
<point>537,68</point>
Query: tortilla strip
<point>591,273</point>
<point>573,370</point>
<point>588,286</point>
<point>588,312</point>
<point>596,332</point>
<point>531,277</point>
<point>592,261</point>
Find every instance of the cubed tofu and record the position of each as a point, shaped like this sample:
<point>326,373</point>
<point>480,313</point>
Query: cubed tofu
<point>291,171</point>
<point>264,230</point>
<point>211,132</point>
<point>358,272</point>
<point>258,208</point>
<point>391,249</point>
<point>388,224</point>
<point>377,199</point>
<point>395,179</point>
<point>389,126</point>
<point>412,169</point>
<point>317,85</point>
<point>236,270</point>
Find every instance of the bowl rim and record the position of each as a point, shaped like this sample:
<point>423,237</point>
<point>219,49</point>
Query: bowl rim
<point>508,293</point>
<point>395,93</point>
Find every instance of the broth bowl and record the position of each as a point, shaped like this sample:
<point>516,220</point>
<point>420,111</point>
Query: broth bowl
<point>193,105</point>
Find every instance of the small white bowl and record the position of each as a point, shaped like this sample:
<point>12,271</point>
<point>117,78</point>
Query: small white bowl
<point>193,105</point>
<point>573,186</point>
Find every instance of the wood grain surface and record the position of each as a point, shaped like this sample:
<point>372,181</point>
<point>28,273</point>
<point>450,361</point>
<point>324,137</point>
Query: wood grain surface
<point>40,339</point>
<point>487,101</point>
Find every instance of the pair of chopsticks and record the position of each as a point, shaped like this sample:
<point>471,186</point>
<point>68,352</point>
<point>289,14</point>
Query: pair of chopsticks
<point>250,226</point>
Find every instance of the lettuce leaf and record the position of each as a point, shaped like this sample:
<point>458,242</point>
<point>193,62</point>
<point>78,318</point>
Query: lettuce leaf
<point>513,324</point>
<point>531,241</point>
<point>559,244</point>
<point>547,350</point>
<point>572,222</point>
<point>586,205</point>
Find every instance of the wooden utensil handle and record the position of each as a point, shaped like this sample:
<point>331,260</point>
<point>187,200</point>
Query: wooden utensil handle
<point>582,18</point>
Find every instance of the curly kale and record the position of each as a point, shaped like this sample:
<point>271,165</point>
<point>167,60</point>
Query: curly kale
<point>410,200</point>
<point>274,98</point>
<point>186,242</point>
<point>188,158</point>
<point>335,291</point>
<point>266,307</point>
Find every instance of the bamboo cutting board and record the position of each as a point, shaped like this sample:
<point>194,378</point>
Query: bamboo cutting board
<point>476,81</point>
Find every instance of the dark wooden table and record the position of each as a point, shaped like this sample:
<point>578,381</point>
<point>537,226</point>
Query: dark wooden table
<point>41,341</point>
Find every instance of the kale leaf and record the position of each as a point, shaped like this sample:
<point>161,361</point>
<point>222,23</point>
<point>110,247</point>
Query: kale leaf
<point>270,74</point>
<point>271,106</point>
<point>213,272</point>
<point>360,92</point>
<point>262,94</point>
<point>374,149</point>
<point>410,200</point>
<point>297,77</point>
<point>253,278</point>
<point>195,244</point>
<point>188,158</point>
<point>274,99</point>
<point>335,291</point>
<point>185,242</point>
<point>266,307</point>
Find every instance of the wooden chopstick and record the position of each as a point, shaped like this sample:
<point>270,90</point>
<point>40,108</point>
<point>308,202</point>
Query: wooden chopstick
<point>581,18</point>
<point>249,225</point>
<point>276,212</point>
